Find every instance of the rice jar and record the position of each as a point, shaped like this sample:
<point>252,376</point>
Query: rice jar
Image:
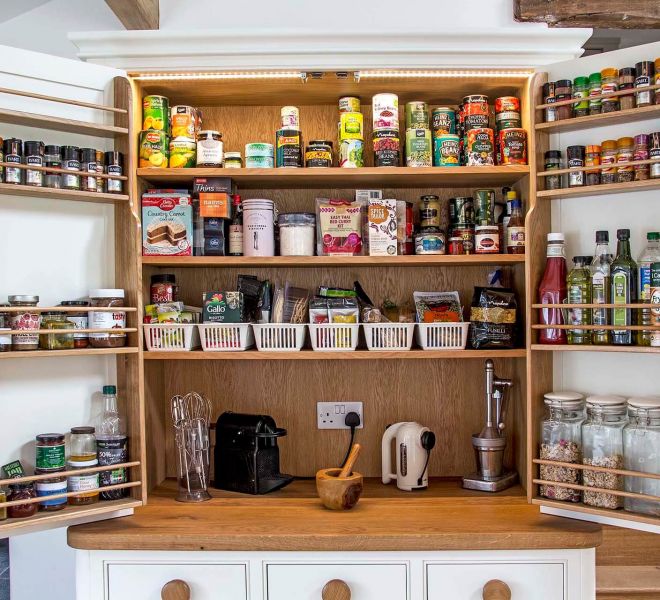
<point>443,121</point>
<point>183,154</point>
<point>351,153</point>
<point>513,146</point>
<point>258,226</point>
<point>418,148</point>
<point>446,150</point>
<point>387,148</point>
<point>349,104</point>
<point>259,155</point>
<point>186,122</point>
<point>351,126</point>
<point>385,111</point>
<point>156,113</point>
<point>480,147</point>
<point>154,151</point>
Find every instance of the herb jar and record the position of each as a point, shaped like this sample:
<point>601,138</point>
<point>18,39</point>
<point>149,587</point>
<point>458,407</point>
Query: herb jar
<point>594,90</point>
<point>609,78</point>
<point>641,152</point>
<point>71,162</point>
<point>80,320</point>
<point>644,77</point>
<point>100,169</point>
<point>581,90</point>
<point>564,91</point>
<point>552,162</point>
<point>654,153</point>
<point>549,98</point>
<point>641,440</point>
<point>233,160</point>
<point>88,165</point>
<point>576,156</point>
<point>50,487</point>
<point>22,491</point>
<point>12,149</point>
<point>114,166</point>
<point>209,148</point>
<point>24,321</point>
<point>297,234</point>
<point>624,154</point>
<point>56,341</point>
<point>602,446</point>
<point>627,82</point>
<point>608,156</point>
<point>50,452</point>
<point>108,319</point>
<point>34,157</point>
<point>53,160</point>
<point>592,159</point>
<point>561,441</point>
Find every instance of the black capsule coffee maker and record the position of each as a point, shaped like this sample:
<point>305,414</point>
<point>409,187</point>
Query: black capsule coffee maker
<point>247,458</point>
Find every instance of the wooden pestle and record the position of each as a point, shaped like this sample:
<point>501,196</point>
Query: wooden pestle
<point>350,461</point>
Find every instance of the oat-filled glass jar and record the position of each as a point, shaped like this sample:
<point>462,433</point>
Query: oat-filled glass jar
<point>107,319</point>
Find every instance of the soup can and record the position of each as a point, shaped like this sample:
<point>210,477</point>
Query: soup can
<point>154,150</point>
<point>513,146</point>
<point>385,111</point>
<point>418,148</point>
<point>443,121</point>
<point>417,115</point>
<point>446,150</point>
<point>461,210</point>
<point>289,148</point>
<point>290,117</point>
<point>349,104</point>
<point>156,113</point>
<point>351,126</point>
<point>484,207</point>
<point>186,122</point>
<point>183,154</point>
<point>505,104</point>
<point>465,231</point>
<point>387,148</point>
<point>480,147</point>
<point>351,153</point>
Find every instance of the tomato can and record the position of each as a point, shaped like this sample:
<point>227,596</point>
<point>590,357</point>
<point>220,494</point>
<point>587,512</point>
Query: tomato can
<point>480,147</point>
<point>475,112</point>
<point>154,150</point>
<point>513,146</point>
<point>487,239</point>
<point>456,245</point>
<point>349,104</point>
<point>156,113</point>
<point>466,232</point>
<point>443,121</point>
<point>387,148</point>
<point>446,150</point>
<point>385,111</point>
<point>507,104</point>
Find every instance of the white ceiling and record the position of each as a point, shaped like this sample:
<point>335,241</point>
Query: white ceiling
<point>14,9</point>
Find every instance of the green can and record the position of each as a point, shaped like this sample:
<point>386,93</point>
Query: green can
<point>418,148</point>
<point>156,113</point>
<point>446,151</point>
<point>443,121</point>
<point>417,115</point>
<point>484,207</point>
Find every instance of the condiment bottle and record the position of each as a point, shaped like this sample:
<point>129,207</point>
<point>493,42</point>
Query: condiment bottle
<point>644,77</point>
<point>592,159</point>
<point>552,162</point>
<point>71,162</point>
<point>114,165</point>
<point>641,152</point>
<point>564,91</point>
<point>549,98</point>
<point>654,154</point>
<point>578,285</point>
<point>515,238</point>
<point>575,159</point>
<point>624,289</point>
<point>12,148</point>
<point>600,287</point>
<point>82,446</point>
<point>608,155</point>
<point>236,227</point>
<point>53,156</point>
<point>581,90</point>
<point>552,290</point>
<point>610,84</point>
<point>34,157</point>
<point>650,255</point>
<point>594,90</point>
<point>624,174</point>
<point>627,82</point>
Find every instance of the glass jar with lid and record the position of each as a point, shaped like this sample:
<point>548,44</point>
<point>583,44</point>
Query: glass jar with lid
<point>26,320</point>
<point>56,341</point>
<point>594,90</point>
<point>53,159</point>
<point>115,318</point>
<point>602,446</point>
<point>625,149</point>
<point>82,455</point>
<point>641,452</point>
<point>561,441</point>
<point>297,234</point>
<point>608,155</point>
<point>609,84</point>
<point>552,162</point>
<point>80,320</point>
<point>627,82</point>
<point>22,491</point>
<point>581,90</point>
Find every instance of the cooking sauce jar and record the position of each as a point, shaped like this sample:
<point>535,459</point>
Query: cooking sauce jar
<point>70,162</point>
<point>163,288</point>
<point>107,298</point>
<point>592,159</point>
<point>53,159</point>
<point>624,155</point>
<point>608,152</point>
<point>24,321</point>
<point>80,320</point>
<point>627,82</point>
<point>487,239</point>
<point>610,84</point>
<point>576,156</point>
<point>34,157</point>
<point>114,165</point>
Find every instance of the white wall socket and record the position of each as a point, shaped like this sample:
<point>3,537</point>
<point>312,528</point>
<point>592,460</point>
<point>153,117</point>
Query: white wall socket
<point>331,415</point>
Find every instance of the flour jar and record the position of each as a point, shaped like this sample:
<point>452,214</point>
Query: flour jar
<point>258,227</point>
<point>297,234</point>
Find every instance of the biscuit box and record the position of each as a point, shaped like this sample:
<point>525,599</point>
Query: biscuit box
<point>167,223</point>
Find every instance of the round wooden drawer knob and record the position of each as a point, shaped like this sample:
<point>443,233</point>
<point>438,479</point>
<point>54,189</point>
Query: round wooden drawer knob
<point>496,590</point>
<point>336,589</point>
<point>176,589</point>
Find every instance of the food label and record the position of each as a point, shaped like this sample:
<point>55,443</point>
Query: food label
<point>446,151</point>
<point>83,483</point>
<point>214,205</point>
<point>71,181</point>
<point>236,239</point>
<point>34,177</point>
<point>620,296</point>
<point>12,175</point>
<point>107,320</point>
<point>643,97</point>
<point>50,457</point>
<point>50,489</point>
<point>341,227</point>
<point>382,226</point>
<point>487,242</point>
<point>25,321</point>
<point>114,185</point>
<point>576,178</point>
<point>599,296</point>
<point>515,236</point>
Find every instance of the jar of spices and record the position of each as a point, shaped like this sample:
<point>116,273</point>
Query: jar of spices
<point>114,165</point>
<point>56,341</point>
<point>100,169</point>
<point>564,91</point>
<point>641,152</point>
<point>53,160</point>
<point>50,452</point>
<point>594,90</point>
<point>297,234</point>
<point>12,148</point>
<point>657,80</point>
<point>644,77</point>
<point>654,154</point>
<point>625,146</point>
<point>581,90</point>
<point>602,446</point>
<point>22,491</point>
<point>107,319</point>
<point>71,162</point>
<point>610,83</point>
<point>82,455</point>
<point>608,154</point>
<point>549,98</point>
<point>641,440</point>
<point>24,321</point>
<point>163,288</point>
<point>552,162</point>
<point>34,157</point>
<point>561,441</point>
<point>627,82</point>
<point>50,487</point>
<point>576,155</point>
<point>233,160</point>
<point>592,159</point>
<point>80,320</point>
<point>88,165</point>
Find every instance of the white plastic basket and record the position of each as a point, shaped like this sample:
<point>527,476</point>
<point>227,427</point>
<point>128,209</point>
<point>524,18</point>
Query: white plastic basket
<point>334,337</point>
<point>171,337</point>
<point>388,336</point>
<point>225,337</point>
<point>442,336</point>
<point>279,337</point>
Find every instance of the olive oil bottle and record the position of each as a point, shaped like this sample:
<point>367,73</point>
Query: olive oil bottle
<point>623,289</point>
<point>600,287</point>
<point>578,287</point>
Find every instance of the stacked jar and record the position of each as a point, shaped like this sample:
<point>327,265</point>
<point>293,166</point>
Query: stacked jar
<point>351,132</point>
<point>486,231</point>
<point>478,137</point>
<point>511,145</point>
<point>386,139</point>
<point>288,139</point>
<point>50,460</point>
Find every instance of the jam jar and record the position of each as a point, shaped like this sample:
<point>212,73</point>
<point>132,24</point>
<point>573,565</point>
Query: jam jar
<point>108,319</point>
<point>22,491</point>
<point>24,321</point>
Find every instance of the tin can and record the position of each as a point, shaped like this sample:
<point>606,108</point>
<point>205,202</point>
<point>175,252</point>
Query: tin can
<point>507,104</point>
<point>349,104</point>
<point>446,150</point>
<point>154,150</point>
<point>487,239</point>
<point>456,245</point>
<point>484,212</point>
<point>466,232</point>
<point>186,122</point>
<point>443,121</point>
<point>156,113</point>
<point>480,147</point>
<point>513,146</point>
<point>475,99</point>
<point>418,148</point>
<point>475,112</point>
<point>259,162</point>
<point>351,126</point>
<point>351,153</point>
<point>430,241</point>
<point>461,210</point>
<point>417,115</point>
<point>429,212</point>
<point>290,118</point>
<point>289,148</point>
<point>387,148</point>
<point>183,154</point>
<point>385,111</point>
<point>318,154</point>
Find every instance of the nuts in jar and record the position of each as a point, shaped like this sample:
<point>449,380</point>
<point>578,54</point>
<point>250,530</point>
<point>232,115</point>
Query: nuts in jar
<point>108,319</point>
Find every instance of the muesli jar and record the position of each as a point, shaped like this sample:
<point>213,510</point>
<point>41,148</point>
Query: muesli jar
<point>24,321</point>
<point>561,441</point>
<point>108,319</point>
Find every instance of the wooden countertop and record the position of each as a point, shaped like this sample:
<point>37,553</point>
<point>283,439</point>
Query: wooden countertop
<point>445,517</point>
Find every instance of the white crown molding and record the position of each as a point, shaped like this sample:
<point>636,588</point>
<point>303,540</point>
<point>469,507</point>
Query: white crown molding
<point>517,46</point>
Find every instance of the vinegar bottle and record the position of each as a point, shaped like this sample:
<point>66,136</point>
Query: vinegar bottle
<point>552,290</point>
<point>623,283</point>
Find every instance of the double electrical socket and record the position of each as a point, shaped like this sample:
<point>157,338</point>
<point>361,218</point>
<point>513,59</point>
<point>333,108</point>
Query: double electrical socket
<point>332,415</point>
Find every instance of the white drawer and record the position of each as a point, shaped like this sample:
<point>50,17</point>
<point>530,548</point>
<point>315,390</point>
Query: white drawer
<point>528,581</point>
<point>206,581</point>
<point>366,581</point>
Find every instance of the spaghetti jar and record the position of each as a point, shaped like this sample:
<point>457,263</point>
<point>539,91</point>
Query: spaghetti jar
<point>610,84</point>
<point>594,90</point>
<point>83,456</point>
<point>34,157</point>
<point>592,159</point>
<point>24,321</point>
<point>627,82</point>
<point>644,77</point>
<point>576,156</point>
<point>624,174</point>
<point>641,152</point>
<point>581,90</point>
<point>608,153</point>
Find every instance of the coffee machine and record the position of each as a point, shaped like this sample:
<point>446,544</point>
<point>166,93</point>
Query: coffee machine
<point>490,443</point>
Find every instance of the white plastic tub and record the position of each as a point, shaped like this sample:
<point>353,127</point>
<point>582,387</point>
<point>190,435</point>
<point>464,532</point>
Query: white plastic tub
<point>388,336</point>
<point>334,337</point>
<point>279,337</point>
<point>171,337</point>
<point>226,337</point>
<point>442,336</point>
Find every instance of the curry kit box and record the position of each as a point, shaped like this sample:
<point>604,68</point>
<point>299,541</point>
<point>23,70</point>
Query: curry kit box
<point>222,307</point>
<point>167,223</point>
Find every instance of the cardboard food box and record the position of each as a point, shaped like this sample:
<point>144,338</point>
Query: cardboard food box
<point>223,307</point>
<point>167,223</point>
<point>382,227</point>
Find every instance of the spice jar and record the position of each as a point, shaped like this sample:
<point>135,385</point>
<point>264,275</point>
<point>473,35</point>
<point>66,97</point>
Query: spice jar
<point>50,452</point>
<point>82,455</point>
<point>608,155</point>
<point>576,156</point>
<point>602,446</point>
<point>114,165</point>
<point>644,77</point>
<point>70,162</point>
<point>641,440</point>
<point>609,83</point>
<point>109,319</point>
<point>624,155</point>
<point>53,159</point>
<point>654,154</point>
<point>88,165</point>
<point>581,90</point>
<point>80,320</point>
<point>564,91</point>
<point>258,228</point>
<point>657,80</point>
<point>163,288</point>
<point>641,152</point>
<point>50,487</point>
<point>561,441</point>
<point>552,162</point>
<point>22,491</point>
<point>233,160</point>
<point>24,321</point>
<point>297,234</point>
<point>592,159</point>
<point>627,82</point>
<point>100,169</point>
<point>549,98</point>
<point>56,341</point>
<point>34,157</point>
<point>594,90</point>
<point>12,149</point>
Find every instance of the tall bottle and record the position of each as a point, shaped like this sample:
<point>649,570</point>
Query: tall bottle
<point>578,285</point>
<point>112,444</point>
<point>650,255</point>
<point>515,231</point>
<point>236,227</point>
<point>624,289</point>
<point>552,290</point>
<point>600,287</point>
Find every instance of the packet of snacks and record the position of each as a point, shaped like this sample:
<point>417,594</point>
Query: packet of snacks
<point>438,307</point>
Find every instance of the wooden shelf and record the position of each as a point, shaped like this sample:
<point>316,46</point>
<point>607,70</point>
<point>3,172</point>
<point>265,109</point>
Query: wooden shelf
<point>602,120</point>
<point>16,117</point>
<point>334,261</point>
<point>62,353</point>
<point>595,348</point>
<point>8,189</point>
<point>349,355</point>
<point>335,177</point>
<point>601,190</point>
<point>593,510</point>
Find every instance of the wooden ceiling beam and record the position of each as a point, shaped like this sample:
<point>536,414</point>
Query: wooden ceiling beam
<point>136,14</point>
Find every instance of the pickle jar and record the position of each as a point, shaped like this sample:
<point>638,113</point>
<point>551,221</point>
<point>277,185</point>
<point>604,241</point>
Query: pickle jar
<point>609,78</point>
<point>624,154</point>
<point>80,320</point>
<point>608,156</point>
<point>56,341</point>
<point>592,159</point>
<point>641,440</point>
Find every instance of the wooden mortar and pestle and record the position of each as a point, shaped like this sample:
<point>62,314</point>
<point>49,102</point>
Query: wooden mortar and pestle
<point>340,489</point>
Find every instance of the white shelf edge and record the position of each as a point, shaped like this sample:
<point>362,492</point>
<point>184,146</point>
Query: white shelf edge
<point>602,519</point>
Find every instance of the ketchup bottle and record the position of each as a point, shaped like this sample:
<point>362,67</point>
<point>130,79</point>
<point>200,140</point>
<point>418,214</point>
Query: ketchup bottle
<point>552,290</point>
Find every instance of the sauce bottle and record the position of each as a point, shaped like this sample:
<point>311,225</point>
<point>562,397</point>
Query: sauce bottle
<point>515,238</point>
<point>600,287</point>
<point>552,290</point>
<point>578,285</point>
<point>624,289</point>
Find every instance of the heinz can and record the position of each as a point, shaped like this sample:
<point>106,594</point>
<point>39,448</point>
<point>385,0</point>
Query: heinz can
<point>480,147</point>
<point>417,115</point>
<point>385,111</point>
<point>349,104</point>
<point>351,153</point>
<point>154,150</point>
<point>443,121</point>
<point>387,148</point>
<point>418,148</point>
<point>446,150</point>
<point>156,113</point>
<point>186,122</point>
<point>513,146</point>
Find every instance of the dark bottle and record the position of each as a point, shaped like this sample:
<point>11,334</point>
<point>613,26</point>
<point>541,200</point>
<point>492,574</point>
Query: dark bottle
<point>623,289</point>
<point>236,227</point>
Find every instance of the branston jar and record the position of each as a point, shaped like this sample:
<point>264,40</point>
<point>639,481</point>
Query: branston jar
<point>108,319</point>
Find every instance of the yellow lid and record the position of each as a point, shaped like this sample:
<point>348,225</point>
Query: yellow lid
<point>593,149</point>
<point>608,145</point>
<point>624,141</point>
<point>609,72</point>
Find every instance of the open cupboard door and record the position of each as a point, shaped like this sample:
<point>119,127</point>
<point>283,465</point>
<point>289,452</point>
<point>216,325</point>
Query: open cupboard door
<point>58,244</point>
<point>578,212</point>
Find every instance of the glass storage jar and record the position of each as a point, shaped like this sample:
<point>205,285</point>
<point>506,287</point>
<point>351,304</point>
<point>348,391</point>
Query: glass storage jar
<point>56,341</point>
<point>50,452</point>
<point>549,98</point>
<point>108,319</point>
<point>609,84</point>
<point>608,155</point>
<point>56,484</point>
<point>576,156</point>
<point>641,452</point>
<point>88,164</point>
<point>654,153</point>
<point>33,155</point>
<point>71,162</point>
<point>24,321</point>
<point>22,491</point>
<point>297,234</point>
<point>602,446</point>
<point>552,162</point>
<point>627,82</point>
<point>82,455</point>
<point>624,154</point>
<point>561,441</point>
<point>644,77</point>
<point>80,320</point>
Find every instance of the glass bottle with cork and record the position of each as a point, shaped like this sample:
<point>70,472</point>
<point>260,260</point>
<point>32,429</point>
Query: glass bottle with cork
<point>578,285</point>
<point>552,290</point>
<point>623,289</point>
<point>600,287</point>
